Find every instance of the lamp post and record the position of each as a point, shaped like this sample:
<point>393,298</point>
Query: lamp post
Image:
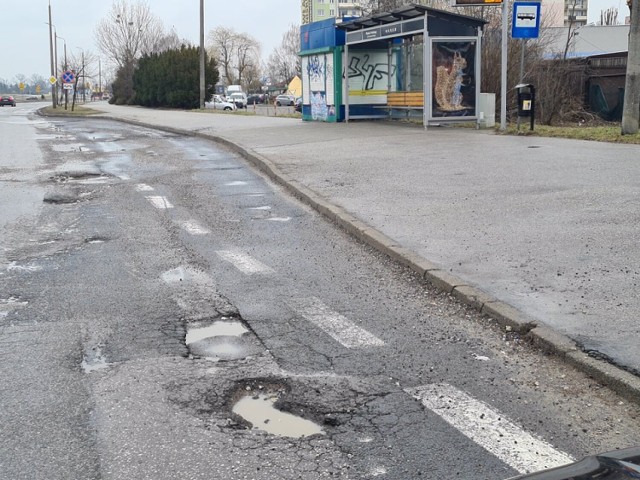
<point>53,71</point>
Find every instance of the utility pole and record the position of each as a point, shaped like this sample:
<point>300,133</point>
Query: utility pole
<point>84,81</point>
<point>631,107</point>
<point>202,84</point>
<point>53,72</point>
<point>503,66</point>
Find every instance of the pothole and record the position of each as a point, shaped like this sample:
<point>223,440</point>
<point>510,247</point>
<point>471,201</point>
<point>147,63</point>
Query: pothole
<point>220,328</point>
<point>97,239</point>
<point>57,198</point>
<point>258,408</point>
<point>93,359</point>
<point>220,340</point>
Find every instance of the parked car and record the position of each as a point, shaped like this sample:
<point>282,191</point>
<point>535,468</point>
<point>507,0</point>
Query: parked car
<point>298,107</point>
<point>255,98</point>
<point>219,103</point>
<point>7,100</point>
<point>239,98</point>
<point>285,100</point>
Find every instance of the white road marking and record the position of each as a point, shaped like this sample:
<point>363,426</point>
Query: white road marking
<point>143,187</point>
<point>265,207</point>
<point>244,262</point>
<point>194,228</point>
<point>236,183</point>
<point>335,325</point>
<point>489,428</point>
<point>159,201</point>
<point>279,219</point>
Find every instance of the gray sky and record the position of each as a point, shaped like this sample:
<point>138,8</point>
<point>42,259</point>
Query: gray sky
<point>25,34</point>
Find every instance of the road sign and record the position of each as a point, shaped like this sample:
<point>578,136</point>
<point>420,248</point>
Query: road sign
<point>38,89</point>
<point>53,80</point>
<point>21,86</point>
<point>67,86</point>
<point>68,76</point>
<point>526,20</point>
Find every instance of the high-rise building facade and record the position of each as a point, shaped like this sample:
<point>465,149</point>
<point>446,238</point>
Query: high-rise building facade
<point>316,10</point>
<point>575,12</point>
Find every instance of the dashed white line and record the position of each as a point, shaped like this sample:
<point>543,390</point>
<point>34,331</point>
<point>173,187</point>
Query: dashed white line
<point>243,262</point>
<point>159,201</point>
<point>143,187</point>
<point>334,324</point>
<point>194,228</point>
<point>489,428</point>
<point>235,183</point>
<point>279,219</point>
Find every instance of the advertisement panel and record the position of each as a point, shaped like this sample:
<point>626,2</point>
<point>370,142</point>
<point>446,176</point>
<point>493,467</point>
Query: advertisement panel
<point>453,80</point>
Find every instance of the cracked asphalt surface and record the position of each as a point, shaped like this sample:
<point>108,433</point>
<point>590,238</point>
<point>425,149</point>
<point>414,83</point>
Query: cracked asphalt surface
<point>101,283</point>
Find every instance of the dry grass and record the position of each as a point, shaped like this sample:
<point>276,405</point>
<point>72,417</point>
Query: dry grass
<point>605,132</point>
<point>78,110</point>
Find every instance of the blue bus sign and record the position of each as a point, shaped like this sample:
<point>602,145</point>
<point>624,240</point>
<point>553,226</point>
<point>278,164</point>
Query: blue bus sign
<point>526,20</point>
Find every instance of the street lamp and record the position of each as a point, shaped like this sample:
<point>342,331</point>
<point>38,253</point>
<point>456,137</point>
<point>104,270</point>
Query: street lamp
<point>53,72</point>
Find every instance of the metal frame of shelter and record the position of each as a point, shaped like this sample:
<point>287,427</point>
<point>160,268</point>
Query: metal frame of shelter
<point>444,38</point>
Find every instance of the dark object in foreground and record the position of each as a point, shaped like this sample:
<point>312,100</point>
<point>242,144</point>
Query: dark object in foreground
<point>616,465</point>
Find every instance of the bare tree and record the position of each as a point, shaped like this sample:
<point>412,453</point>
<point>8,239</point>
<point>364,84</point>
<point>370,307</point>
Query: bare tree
<point>237,54</point>
<point>284,62</point>
<point>223,47</point>
<point>609,16</point>
<point>376,6</point>
<point>128,32</point>
<point>247,55</point>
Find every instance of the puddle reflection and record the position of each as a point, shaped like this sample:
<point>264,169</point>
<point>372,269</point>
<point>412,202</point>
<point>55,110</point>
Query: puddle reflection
<point>260,412</point>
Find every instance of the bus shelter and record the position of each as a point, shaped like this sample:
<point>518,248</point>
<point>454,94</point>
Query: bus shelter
<point>412,62</point>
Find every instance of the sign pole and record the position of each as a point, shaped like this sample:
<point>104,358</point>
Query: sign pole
<point>503,77</point>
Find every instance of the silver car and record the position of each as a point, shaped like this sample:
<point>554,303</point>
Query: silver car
<point>219,103</point>
<point>285,100</point>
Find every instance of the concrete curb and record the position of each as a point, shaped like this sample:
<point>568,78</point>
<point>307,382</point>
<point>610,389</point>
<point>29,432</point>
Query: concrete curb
<point>548,340</point>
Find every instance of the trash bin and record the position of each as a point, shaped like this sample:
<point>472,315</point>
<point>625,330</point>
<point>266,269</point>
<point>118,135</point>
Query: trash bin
<point>526,94</point>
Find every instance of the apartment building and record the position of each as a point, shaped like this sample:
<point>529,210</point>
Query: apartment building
<point>575,12</point>
<point>316,10</point>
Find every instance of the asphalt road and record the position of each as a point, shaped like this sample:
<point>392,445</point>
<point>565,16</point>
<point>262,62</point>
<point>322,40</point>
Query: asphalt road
<point>545,225</point>
<point>142,241</point>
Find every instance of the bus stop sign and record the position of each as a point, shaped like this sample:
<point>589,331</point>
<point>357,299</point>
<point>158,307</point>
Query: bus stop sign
<point>526,20</point>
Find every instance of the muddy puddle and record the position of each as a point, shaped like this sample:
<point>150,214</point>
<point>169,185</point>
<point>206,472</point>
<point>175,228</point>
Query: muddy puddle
<point>260,411</point>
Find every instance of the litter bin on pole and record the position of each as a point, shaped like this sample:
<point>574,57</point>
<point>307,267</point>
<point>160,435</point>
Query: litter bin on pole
<point>526,101</point>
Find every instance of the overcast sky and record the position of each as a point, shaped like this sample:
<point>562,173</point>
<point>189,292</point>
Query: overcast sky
<point>25,33</point>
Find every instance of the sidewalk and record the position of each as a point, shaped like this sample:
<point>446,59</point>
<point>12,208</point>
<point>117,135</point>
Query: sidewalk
<point>540,233</point>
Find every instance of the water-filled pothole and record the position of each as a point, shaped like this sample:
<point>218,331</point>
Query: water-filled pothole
<point>220,340</point>
<point>217,329</point>
<point>260,411</point>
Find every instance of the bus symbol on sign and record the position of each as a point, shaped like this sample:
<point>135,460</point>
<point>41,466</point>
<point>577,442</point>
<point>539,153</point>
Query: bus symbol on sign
<point>68,76</point>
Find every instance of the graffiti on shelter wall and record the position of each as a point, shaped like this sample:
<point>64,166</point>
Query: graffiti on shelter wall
<point>369,70</point>
<point>317,72</point>
<point>318,86</point>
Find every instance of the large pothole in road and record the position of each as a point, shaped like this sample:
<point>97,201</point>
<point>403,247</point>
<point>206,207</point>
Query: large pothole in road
<point>223,339</point>
<point>257,404</point>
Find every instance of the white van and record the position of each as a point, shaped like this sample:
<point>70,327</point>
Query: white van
<point>233,89</point>
<point>239,98</point>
